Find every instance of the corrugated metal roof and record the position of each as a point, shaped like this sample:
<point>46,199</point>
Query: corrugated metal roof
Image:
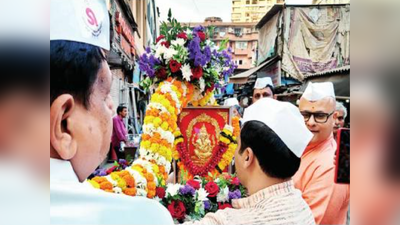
<point>336,70</point>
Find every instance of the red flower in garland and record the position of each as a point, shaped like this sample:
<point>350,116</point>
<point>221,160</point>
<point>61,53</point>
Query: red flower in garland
<point>224,206</point>
<point>235,181</point>
<point>177,210</point>
<point>182,35</point>
<point>166,44</point>
<point>201,35</point>
<point>194,184</point>
<point>174,65</point>
<point>160,192</point>
<point>212,189</point>
<point>159,38</point>
<point>161,73</point>
<point>111,169</point>
<point>197,72</point>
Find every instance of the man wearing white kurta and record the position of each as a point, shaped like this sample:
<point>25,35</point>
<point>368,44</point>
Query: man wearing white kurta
<point>81,120</point>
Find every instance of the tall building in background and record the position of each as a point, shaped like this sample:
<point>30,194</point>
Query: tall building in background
<point>251,10</point>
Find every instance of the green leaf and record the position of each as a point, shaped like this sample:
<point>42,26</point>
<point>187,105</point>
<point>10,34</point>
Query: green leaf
<point>169,14</point>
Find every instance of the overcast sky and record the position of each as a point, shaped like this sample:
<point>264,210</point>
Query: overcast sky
<point>198,10</point>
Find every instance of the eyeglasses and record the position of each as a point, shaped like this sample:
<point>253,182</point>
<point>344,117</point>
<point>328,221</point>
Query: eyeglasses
<point>318,117</point>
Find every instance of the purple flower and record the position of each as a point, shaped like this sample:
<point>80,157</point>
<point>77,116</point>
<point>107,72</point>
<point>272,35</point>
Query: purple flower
<point>146,64</point>
<point>187,189</point>
<point>207,205</point>
<point>235,194</point>
<point>100,173</point>
<point>198,28</point>
<point>148,50</point>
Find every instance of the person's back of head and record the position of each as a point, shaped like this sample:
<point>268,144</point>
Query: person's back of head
<point>275,159</point>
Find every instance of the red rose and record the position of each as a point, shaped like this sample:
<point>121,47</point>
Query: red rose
<point>110,170</point>
<point>235,181</point>
<point>212,189</point>
<point>201,35</point>
<point>177,210</point>
<point>182,35</point>
<point>197,72</point>
<point>165,43</point>
<point>224,206</point>
<point>194,184</point>
<point>160,192</point>
<point>161,73</point>
<point>159,38</point>
<point>174,65</point>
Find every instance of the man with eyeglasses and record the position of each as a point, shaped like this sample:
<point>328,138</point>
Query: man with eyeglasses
<point>263,88</point>
<point>341,112</point>
<point>315,178</point>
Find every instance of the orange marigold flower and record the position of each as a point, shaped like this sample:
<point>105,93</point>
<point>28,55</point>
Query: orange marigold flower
<point>106,186</point>
<point>99,179</point>
<point>130,181</point>
<point>130,191</point>
<point>151,185</point>
<point>149,177</point>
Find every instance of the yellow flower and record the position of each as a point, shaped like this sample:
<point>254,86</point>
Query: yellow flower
<point>121,184</point>
<point>94,184</point>
<point>146,144</point>
<point>164,126</point>
<point>157,122</point>
<point>224,140</point>
<point>148,119</point>
<point>154,147</point>
<point>115,176</point>
<point>155,168</point>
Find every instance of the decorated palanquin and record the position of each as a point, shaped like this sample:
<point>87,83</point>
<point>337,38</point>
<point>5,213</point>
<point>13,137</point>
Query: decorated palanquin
<point>185,133</point>
<point>202,152</point>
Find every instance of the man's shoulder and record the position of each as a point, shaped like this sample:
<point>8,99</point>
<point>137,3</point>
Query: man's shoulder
<point>105,206</point>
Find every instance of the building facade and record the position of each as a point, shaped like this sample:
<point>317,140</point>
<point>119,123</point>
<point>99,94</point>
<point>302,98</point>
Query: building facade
<point>321,2</point>
<point>134,26</point>
<point>251,10</point>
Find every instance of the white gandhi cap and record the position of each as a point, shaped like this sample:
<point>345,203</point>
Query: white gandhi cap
<point>318,91</point>
<point>262,83</point>
<point>231,102</point>
<point>85,21</point>
<point>284,119</point>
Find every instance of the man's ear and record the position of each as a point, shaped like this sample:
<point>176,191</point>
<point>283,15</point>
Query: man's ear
<point>61,137</point>
<point>248,156</point>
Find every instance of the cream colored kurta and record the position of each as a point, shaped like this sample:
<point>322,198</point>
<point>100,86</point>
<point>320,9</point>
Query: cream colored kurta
<point>72,202</point>
<point>315,178</point>
<point>278,204</point>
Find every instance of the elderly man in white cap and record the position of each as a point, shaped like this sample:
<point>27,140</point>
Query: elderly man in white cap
<point>315,178</point>
<point>263,88</point>
<point>233,102</point>
<point>81,122</point>
<point>341,112</point>
<point>271,143</point>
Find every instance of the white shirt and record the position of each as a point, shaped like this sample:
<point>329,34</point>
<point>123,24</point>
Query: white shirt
<point>72,202</point>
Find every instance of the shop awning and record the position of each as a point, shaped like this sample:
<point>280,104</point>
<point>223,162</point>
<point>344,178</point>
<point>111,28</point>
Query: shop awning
<point>243,77</point>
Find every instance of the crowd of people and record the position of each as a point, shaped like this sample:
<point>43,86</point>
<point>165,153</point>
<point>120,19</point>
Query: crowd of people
<point>285,157</point>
